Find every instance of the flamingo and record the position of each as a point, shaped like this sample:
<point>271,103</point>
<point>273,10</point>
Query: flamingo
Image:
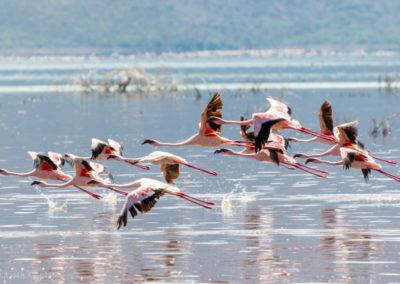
<point>85,175</point>
<point>354,159</point>
<point>47,167</point>
<point>277,117</point>
<point>208,134</point>
<point>347,137</point>
<point>111,151</point>
<point>274,151</point>
<point>169,164</point>
<point>145,196</point>
<point>326,126</point>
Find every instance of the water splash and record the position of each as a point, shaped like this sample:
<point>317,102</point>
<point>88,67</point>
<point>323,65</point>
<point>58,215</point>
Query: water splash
<point>53,205</point>
<point>238,193</point>
<point>110,198</point>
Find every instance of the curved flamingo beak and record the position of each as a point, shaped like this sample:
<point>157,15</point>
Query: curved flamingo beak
<point>148,141</point>
<point>309,161</point>
<point>222,150</point>
<point>215,120</point>
<point>36,182</point>
<point>111,157</point>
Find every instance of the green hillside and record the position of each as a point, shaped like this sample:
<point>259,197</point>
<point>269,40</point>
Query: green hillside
<point>157,26</point>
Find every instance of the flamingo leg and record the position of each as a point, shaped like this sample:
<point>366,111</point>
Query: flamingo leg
<point>308,131</point>
<point>313,169</point>
<point>117,191</point>
<point>138,165</point>
<point>191,200</point>
<point>307,171</point>
<point>199,200</point>
<point>88,192</point>
<point>286,166</point>
<point>383,160</point>
<point>388,175</point>
<point>200,169</point>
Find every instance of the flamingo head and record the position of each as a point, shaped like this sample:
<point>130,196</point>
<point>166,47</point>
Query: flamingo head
<point>223,151</point>
<point>3,172</point>
<point>37,182</point>
<point>215,120</point>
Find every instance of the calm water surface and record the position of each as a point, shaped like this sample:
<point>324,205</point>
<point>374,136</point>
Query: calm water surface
<point>270,225</point>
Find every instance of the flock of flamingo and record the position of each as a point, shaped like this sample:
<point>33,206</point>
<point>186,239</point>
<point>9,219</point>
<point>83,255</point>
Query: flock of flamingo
<point>263,144</point>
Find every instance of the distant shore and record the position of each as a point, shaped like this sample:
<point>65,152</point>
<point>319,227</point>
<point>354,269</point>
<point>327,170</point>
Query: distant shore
<point>84,54</point>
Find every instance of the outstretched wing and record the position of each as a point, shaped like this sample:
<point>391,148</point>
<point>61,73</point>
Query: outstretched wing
<point>263,134</point>
<point>118,147</point>
<point>279,108</point>
<point>212,109</point>
<point>57,158</point>
<point>99,147</point>
<point>45,163</point>
<point>170,172</point>
<point>143,199</point>
<point>247,136</point>
<point>348,134</point>
<point>325,118</point>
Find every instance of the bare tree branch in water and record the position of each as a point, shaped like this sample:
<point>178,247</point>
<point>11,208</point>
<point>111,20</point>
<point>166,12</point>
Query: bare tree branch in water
<point>136,80</point>
<point>386,129</point>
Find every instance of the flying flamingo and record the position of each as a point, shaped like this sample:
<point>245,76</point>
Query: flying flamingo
<point>353,159</point>
<point>145,196</point>
<point>111,151</point>
<point>326,126</point>
<point>208,134</point>
<point>274,151</point>
<point>277,117</point>
<point>169,164</point>
<point>47,167</point>
<point>86,174</point>
<point>347,137</point>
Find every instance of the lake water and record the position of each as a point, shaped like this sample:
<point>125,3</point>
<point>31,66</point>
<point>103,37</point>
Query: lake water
<point>269,225</point>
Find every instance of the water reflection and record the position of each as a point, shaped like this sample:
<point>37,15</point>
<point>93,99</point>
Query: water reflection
<point>344,245</point>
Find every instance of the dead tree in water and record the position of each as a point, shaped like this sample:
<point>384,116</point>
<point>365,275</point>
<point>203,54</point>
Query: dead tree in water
<point>386,130</point>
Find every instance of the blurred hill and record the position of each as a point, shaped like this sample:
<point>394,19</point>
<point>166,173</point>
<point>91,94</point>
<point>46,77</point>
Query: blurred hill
<point>157,26</point>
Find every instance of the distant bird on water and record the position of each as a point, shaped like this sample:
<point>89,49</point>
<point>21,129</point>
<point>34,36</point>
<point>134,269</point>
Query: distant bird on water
<point>209,132</point>
<point>169,164</point>
<point>147,192</point>
<point>124,84</point>
<point>277,117</point>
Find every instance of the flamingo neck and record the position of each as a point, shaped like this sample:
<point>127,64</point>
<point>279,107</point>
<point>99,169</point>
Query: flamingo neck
<point>28,174</point>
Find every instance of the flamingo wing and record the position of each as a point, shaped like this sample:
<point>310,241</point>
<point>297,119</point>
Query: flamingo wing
<point>325,118</point>
<point>264,132</point>
<point>57,159</point>
<point>348,134</point>
<point>247,136</point>
<point>279,108</point>
<point>212,109</point>
<point>99,147</point>
<point>170,172</point>
<point>118,147</point>
<point>44,163</point>
<point>143,199</point>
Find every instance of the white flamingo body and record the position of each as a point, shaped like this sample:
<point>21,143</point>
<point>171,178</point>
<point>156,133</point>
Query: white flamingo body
<point>144,197</point>
<point>46,167</point>
<point>208,134</point>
